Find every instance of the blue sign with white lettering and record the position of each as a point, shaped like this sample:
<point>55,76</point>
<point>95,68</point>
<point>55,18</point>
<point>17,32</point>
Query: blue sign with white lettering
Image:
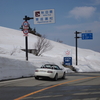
<point>87,36</point>
<point>68,61</point>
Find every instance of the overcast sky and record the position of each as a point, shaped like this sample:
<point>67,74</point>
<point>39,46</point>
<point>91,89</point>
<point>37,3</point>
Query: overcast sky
<point>70,16</point>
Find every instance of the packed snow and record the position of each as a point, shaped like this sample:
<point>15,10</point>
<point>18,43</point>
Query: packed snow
<point>13,63</point>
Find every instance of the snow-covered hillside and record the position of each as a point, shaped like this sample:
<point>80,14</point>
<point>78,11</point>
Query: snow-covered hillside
<point>14,65</point>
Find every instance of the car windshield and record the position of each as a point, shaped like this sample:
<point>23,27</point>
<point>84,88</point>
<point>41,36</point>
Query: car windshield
<point>48,66</point>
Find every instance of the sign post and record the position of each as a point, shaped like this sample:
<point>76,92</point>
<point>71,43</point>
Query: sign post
<point>77,37</point>
<point>87,35</point>
<point>40,17</point>
<point>25,31</point>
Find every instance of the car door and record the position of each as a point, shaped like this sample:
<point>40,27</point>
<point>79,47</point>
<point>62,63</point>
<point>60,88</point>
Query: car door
<point>58,70</point>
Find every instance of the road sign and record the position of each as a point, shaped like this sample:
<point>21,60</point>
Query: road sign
<point>25,24</point>
<point>87,36</point>
<point>68,53</point>
<point>44,16</point>
<point>68,61</point>
<point>25,28</point>
<point>25,31</point>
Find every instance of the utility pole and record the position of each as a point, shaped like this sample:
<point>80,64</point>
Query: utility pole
<point>77,37</point>
<point>26,37</point>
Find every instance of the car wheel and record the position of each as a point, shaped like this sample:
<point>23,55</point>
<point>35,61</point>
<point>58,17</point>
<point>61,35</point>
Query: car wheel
<point>56,77</point>
<point>64,75</point>
<point>36,77</point>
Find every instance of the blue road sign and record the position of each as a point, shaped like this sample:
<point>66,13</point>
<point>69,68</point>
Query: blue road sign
<point>87,36</point>
<point>25,24</point>
<point>25,31</point>
<point>67,60</point>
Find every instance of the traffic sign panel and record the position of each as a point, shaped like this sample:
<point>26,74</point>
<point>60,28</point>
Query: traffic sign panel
<point>67,60</point>
<point>68,53</point>
<point>25,31</point>
<point>25,24</point>
<point>87,36</point>
<point>44,16</point>
<point>25,27</point>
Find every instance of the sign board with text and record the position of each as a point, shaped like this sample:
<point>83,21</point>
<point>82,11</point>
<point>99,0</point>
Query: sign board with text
<point>68,61</point>
<point>44,16</point>
<point>87,36</point>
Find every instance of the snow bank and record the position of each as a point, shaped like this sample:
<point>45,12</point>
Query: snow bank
<point>13,64</point>
<point>12,68</point>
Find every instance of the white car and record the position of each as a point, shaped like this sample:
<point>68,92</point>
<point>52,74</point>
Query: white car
<point>50,71</point>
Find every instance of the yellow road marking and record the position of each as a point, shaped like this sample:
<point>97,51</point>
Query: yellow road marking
<point>52,87</point>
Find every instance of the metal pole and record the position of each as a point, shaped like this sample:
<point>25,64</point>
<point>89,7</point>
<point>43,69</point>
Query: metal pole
<point>76,49</point>
<point>77,46</point>
<point>26,38</point>
<point>26,44</point>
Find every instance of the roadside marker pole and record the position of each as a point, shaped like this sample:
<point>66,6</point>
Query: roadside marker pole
<point>26,25</point>
<point>85,36</point>
<point>77,45</point>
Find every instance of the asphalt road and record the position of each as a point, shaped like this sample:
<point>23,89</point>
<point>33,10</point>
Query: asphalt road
<point>76,86</point>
